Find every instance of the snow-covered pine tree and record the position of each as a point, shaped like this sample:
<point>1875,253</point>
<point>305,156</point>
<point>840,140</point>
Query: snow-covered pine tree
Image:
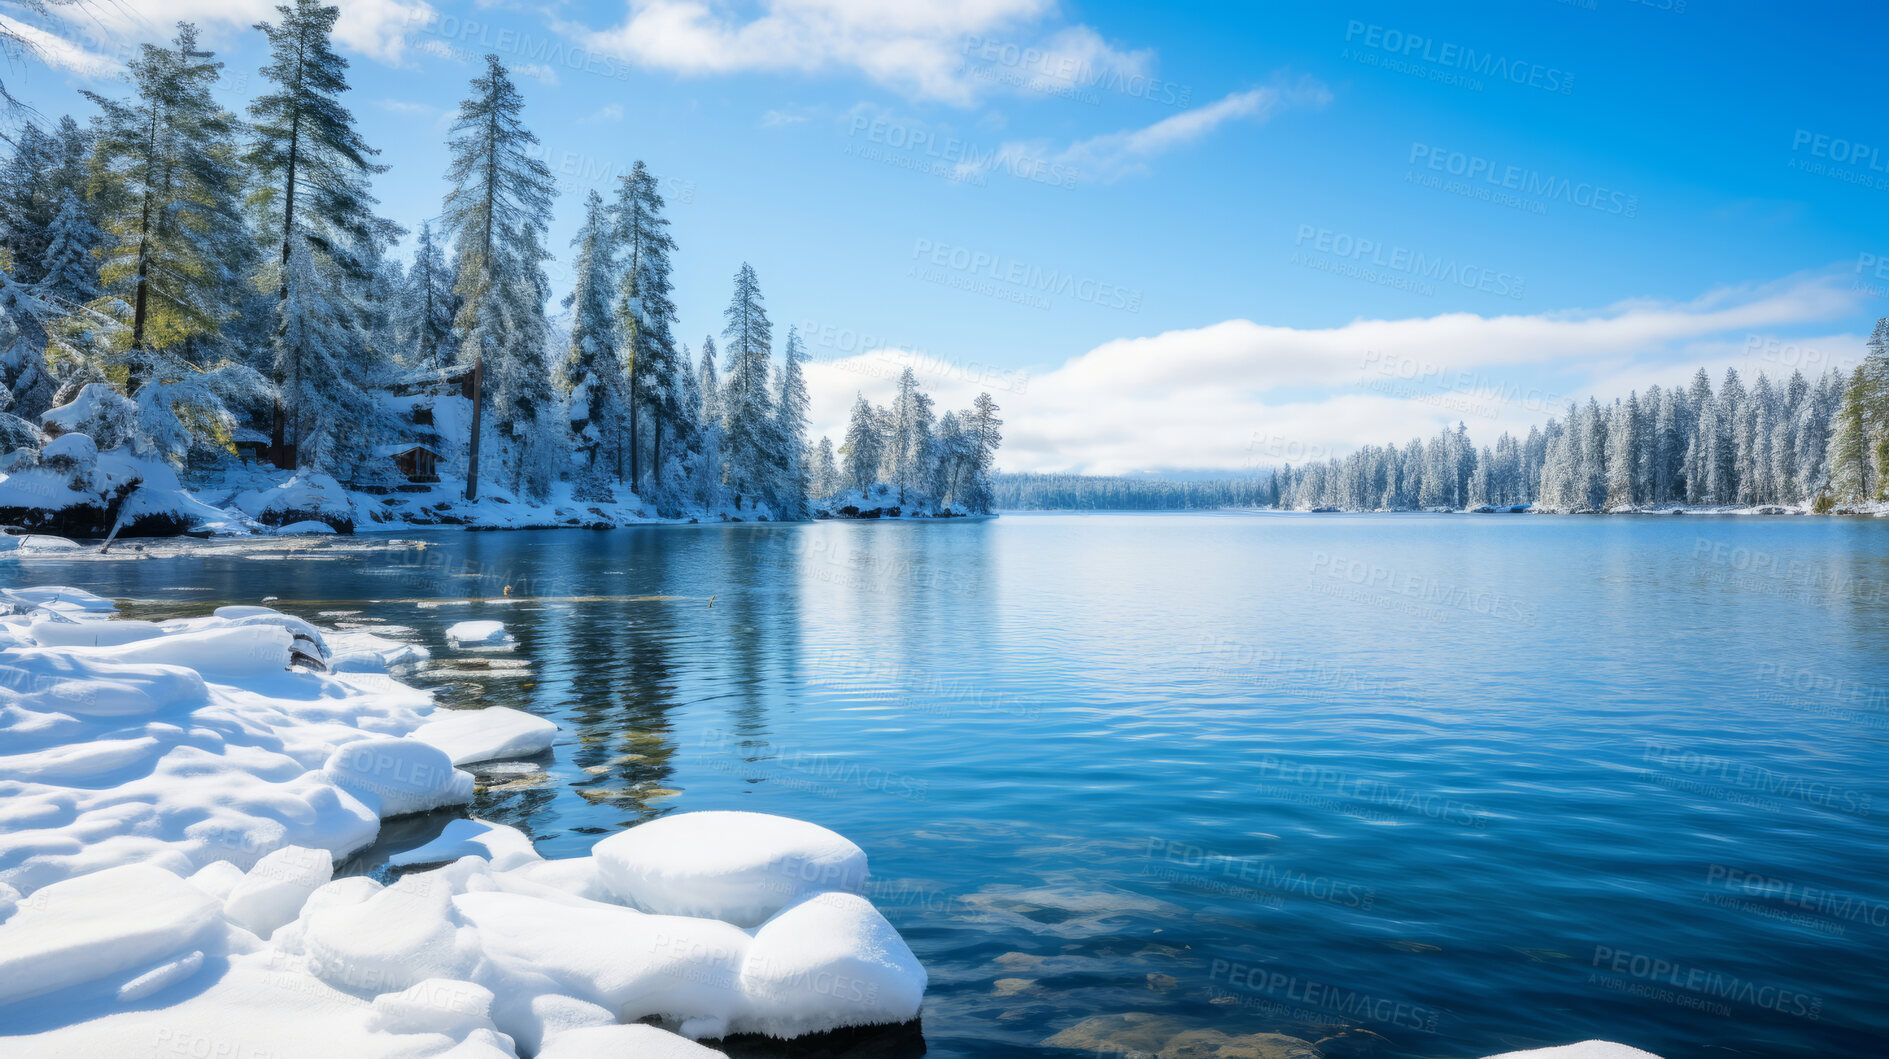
<point>824,474</point>
<point>790,428</point>
<point>709,487</point>
<point>985,432</point>
<point>26,386</point>
<point>167,174</point>
<point>1623,462</point>
<point>747,406</point>
<point>498,209</point>
<point>863,448</point>
<point>590,375</point>
<point>27,199</point>
<point>312,169</point>
<point>1851,475</point>
<point>328,408</point>
<point>909,440</point>
<point>68,270</point>
<point>646,313</point>
<point>426,305</point>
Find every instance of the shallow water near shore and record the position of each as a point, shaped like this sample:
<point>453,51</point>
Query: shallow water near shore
<point>1413,785</point>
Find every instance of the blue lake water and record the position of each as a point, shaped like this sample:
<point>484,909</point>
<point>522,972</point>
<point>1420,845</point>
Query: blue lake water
<point>1414,785</point>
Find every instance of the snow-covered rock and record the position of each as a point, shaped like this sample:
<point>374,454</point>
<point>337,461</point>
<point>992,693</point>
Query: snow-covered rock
<point>830,960</point>
<point>643,1042</point>
<point>736,866</point>
<point>490,734</point>
<point>398,776</point>
<point>305,497</point>
<point>273,891</point>
<point>477,634</point>
<point>1583,1050</point>
<point>69,451</point>
<point>113,922</point>
<point>504,847</point>
<point>306,526</point>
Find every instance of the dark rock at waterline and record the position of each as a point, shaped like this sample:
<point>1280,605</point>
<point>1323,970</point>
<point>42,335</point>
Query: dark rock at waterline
<point>903,1041</point>
<point>290,516</point>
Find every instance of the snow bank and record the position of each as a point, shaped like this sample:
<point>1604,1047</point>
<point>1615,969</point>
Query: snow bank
<point>305,497</point>
<point>741,867</point>
<point>1583,1050</point>
<point>491,734</point>
<point>174,798</point>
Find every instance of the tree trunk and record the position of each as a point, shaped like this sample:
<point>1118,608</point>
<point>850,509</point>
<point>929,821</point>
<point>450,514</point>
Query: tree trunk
<point>635,468</point>
<point>478,404</point>
<point>278,422</point>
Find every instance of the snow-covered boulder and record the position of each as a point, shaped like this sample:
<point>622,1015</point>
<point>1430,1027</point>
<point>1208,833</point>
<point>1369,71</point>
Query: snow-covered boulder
<point>735,866</point>
<point>98,411</point>
<point>491,734</point>
<point>503,847</point>
<point>108,923</point>
<point>829,960</point>
<point>1583,1050</point>
<point>398,776</point>
<point>478,634</point>
<point>643,1042</point>
<point>305,497</point>
<point>273,891</point>
<point>78,490</point>
<point>69,452</point>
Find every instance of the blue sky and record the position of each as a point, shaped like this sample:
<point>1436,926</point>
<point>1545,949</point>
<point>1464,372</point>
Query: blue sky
<point>1192,237</point>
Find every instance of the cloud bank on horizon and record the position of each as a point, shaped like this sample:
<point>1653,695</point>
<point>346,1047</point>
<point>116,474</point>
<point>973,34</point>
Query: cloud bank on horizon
<point>1239,395</point>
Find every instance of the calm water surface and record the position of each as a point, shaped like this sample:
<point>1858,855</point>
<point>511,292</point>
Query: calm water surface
<point>1430,785</point>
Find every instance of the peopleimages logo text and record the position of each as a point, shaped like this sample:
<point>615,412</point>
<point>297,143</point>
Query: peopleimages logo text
<point>1525,181</point>
<point>1457,57</point>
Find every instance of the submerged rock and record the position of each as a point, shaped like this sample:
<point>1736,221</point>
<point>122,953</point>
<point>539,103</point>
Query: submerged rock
<point>1140,1034</point>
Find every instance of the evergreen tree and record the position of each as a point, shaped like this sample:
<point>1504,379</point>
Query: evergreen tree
<point>646,313</point>
<point>1623,463</point>
<point>498,210</point>
<point>824,474</point>
<point>426,315</point>
<point>28,198</point>
<point>321,382</point>
<point>747,407</point>
<point>68,272</point>
<point>985,432</point>
<point>312,168</point>
<point>790,427</point>
<point>909,439</point>
<point>167,171</point>
<point>589,375</point>
<point>863,447</point>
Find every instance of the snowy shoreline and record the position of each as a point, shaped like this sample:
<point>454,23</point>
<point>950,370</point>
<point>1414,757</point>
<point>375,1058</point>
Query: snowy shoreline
<point>176,795</point>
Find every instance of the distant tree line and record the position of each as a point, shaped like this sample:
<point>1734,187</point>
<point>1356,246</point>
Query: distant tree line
<point>1820,442</point>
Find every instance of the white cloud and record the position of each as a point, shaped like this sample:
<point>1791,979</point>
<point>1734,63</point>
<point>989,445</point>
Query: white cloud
<point>1236,393</point>
<point>375,28</point>
<point>1118,154</point>
<point>925,50</point>
<point>58,52</point>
